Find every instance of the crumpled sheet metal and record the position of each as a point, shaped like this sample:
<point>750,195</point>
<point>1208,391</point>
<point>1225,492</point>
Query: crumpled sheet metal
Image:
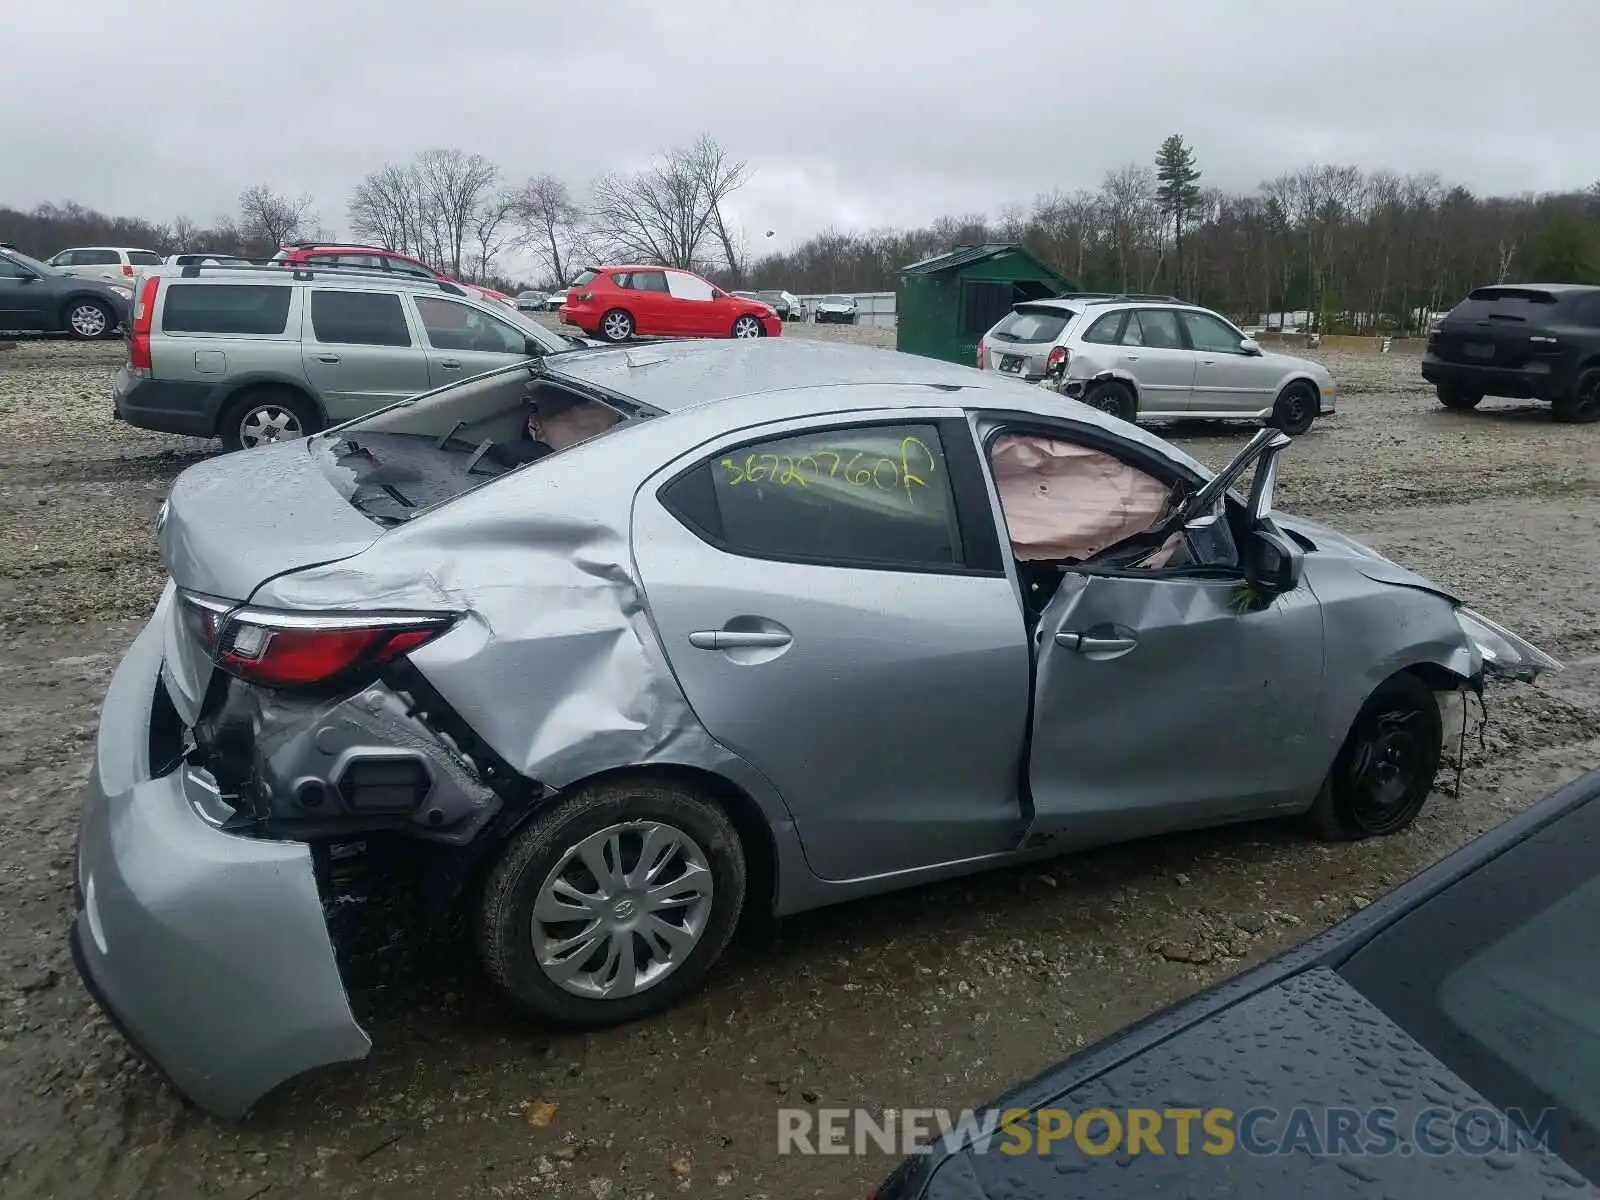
<point>555,664</point>
<point>1062,500</point>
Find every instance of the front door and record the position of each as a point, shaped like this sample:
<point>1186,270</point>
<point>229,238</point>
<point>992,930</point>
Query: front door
<point>358,351</point>
<point>464,341</point>
<point>1154,353</point>
<point>1161,702</point>
<point>1226,379</point>
<point>827,623</point>
<point>694,301</point>
<point>654,310</point>
<point>22,297</point>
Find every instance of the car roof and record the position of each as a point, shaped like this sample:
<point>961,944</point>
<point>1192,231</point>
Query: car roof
<point>1552,288</point>
<point>675,376</point>
<point>144,249</point>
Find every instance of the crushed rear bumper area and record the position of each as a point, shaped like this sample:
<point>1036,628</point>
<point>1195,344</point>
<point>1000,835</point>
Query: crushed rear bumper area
<point>209,950</point>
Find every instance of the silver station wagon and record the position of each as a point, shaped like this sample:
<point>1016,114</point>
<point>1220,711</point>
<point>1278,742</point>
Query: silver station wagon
<point>622,643</point>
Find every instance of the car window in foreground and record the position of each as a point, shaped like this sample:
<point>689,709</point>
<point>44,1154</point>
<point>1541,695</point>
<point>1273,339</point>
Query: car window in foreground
<point>1032,325</point>
<point>1499,976</point>
<point>868,496</point>
<point>226,308</point>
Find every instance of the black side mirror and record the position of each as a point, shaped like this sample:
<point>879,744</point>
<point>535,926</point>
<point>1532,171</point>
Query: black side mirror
<point>1273,563</point>
<point>532,348</point>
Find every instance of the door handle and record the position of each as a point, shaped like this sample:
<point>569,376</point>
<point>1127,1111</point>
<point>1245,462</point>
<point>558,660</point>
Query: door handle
<point>1086,643</point>
<point>452,363</point>
<point>328,358</point>
<point>1130,358</point>
<point>733,639</point>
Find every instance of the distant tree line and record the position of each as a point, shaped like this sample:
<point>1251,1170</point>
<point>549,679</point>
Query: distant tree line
<point>1359,250</point>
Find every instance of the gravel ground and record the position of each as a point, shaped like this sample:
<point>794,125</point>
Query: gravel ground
<point>938,997</point>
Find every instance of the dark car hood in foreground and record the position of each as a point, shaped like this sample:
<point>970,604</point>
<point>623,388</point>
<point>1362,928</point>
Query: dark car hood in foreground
<point>1310,1041</point>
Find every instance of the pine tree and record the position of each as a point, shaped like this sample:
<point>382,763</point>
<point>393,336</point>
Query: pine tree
<point>1179,190</point>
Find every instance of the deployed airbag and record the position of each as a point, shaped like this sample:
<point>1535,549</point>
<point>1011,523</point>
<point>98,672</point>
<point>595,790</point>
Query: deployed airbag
<point>1065,501</point>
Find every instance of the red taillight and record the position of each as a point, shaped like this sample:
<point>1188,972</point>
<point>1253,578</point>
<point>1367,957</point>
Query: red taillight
<point>980,356</point>
<point>127,269</point>
<point>297,650</point>
<point>144,313</point>
<point>1057,358</point>
<point>580,296</point>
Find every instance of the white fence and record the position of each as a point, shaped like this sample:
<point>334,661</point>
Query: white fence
<point>872,308</point>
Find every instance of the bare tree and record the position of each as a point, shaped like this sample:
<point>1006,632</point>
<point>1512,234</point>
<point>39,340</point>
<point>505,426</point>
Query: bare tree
<point>185,233</point>
<point>665,213</point>
<point>269,219</point>
<point>384,208</point>
<point>1132,215</point>
<point>453,185</point>
<point>493,229</point>
<point>550,223</point>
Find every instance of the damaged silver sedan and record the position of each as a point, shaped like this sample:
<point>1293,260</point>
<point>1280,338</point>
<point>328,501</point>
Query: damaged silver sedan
<point>627,642</point>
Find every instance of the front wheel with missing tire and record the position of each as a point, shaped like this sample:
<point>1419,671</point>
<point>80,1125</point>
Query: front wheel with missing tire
<point>613,904</point>
<point>1296,408</point>
<point>1581,405</point>
<point>1384,771</point>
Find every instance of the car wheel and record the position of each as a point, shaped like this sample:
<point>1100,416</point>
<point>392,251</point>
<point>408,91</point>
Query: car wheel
<point>260,418</point>
<point>747,327</point>
<point>616,325</point>
<point>1581,405</point>
<point>613,904</point>
<point>1384,771</point>
<point>1296,408</point>
<point>87,320</point>
<point>1457,398</point>
<point>1112,396</point>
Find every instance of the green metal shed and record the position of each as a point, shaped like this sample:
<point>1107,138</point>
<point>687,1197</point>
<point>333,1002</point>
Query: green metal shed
<point>947,302</point>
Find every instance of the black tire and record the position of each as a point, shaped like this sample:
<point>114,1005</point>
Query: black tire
<point>616,326</point>
<point>1456,398</point>
<point>1384,772</point>
<point>1581,405</point>
<point>87,320</point>
<point>248,417</point>
<point>745,322</point>
<point>506,908</point>
<point>1112,396</point>
<point>1296,408</point>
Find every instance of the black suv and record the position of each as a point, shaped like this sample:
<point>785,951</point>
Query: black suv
<point>1532,341</point>
<point>38,297</point>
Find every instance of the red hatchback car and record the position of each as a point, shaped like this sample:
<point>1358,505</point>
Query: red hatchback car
<point>615,303</point>
<point>340,254</point>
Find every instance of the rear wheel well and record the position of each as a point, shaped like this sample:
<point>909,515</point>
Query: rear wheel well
<point>245,391</point>
<point>760,851</point>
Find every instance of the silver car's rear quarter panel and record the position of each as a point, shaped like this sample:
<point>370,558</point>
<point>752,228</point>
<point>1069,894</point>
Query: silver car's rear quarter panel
<point>209,949</point>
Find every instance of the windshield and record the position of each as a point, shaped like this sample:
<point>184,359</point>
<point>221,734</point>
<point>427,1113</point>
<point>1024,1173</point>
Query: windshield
<point>769,295</point>
<point>33,264</point>
<point>837,300</point>
<point>1032,325</point>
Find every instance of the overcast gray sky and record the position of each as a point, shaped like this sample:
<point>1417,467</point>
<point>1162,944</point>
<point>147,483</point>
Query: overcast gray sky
<point>852,114</point>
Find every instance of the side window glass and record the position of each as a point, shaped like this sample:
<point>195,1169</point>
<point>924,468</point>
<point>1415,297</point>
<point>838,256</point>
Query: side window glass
<point>1158,329</point>
<point>10,270</point>
<point>685,286</point>
<point>63,259</point>
<point>873,496</point>
<point>453,326</point>
<point>402,267</point>
<point>1211,335</point>
<point>650,281</point>
<point>144,258</point>
<point>1104,331</point>
<point>623,279</point>
<point>358,319</point>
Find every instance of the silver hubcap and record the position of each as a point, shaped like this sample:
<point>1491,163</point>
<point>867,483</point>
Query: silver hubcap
<point>87,320</point>
<point>269,423</point>
<point>622,910</point>
<point>746,327</point>
<point>618,326</point>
